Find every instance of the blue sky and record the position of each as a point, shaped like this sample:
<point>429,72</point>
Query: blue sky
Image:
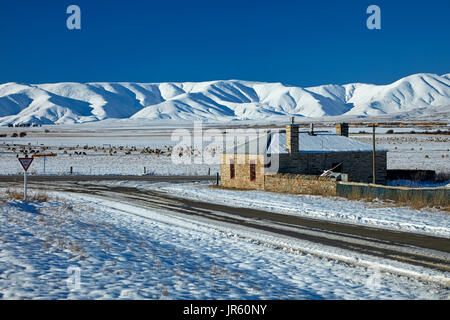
<point>293,42</point>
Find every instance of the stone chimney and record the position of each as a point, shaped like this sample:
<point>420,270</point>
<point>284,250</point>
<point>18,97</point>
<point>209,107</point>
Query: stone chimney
<point>311,129</point>
<point>292,137</point>
<point>342,129</point>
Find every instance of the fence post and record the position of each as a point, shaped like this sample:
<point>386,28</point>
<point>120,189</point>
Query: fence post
<point>373,155</point>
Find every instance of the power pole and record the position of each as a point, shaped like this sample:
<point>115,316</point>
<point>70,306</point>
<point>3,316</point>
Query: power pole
<point>373,154</point>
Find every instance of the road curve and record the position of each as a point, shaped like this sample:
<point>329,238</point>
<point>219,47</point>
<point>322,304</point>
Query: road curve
<point>417,249</point>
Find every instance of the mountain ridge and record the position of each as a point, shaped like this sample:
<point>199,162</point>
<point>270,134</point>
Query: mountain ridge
<point>216,101</point>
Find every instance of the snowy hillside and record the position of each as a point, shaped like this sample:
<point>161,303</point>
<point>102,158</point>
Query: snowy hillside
<point>215,100</point>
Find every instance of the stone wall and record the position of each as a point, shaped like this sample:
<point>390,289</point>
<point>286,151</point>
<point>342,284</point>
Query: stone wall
<point>241,179</point>
<point>302,184</point>
<point>358,165</point>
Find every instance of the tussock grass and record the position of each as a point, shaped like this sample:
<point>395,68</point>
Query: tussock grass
<point>438,201</point>
<point>14,194</point>
<point>408,199</point>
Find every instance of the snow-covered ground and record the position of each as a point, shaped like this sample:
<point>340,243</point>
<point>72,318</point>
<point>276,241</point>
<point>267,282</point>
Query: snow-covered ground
<point>377,214</point>
<point>104,164</point>
<point>81,247</point>
<point>101,153</point>
<point>405,151</point>
<point>414,151</point>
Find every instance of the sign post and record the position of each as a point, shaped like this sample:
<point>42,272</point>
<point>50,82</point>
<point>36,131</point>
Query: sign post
<point>25,162</point>
<point>45,157</point>
<point>25,185</point>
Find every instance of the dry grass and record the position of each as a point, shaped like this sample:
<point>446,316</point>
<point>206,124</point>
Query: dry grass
<point>15,194</point>
<point>438,201</point>
<point>408,199</point>
<point>315,190</point>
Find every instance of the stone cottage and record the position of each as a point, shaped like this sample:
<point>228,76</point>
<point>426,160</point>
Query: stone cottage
<point>289,151</point>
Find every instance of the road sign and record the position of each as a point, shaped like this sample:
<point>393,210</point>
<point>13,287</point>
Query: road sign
<point>44,155</point>
<point>25,162</point>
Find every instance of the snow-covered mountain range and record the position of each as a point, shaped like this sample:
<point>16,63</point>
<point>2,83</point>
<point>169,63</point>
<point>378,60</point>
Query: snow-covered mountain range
<point>216,101</point>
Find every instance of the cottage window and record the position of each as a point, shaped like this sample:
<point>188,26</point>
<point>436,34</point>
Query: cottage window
<point>252,171</point>
<point>232,172</point>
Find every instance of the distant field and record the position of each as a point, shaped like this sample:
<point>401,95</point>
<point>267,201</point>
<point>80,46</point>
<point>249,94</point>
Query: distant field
<point>119,149</point>
<point>414,151</point>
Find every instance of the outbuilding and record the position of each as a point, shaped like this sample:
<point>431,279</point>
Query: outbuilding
<point>303,153</point>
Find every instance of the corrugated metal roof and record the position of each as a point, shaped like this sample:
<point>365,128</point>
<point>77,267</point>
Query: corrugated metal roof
<point>321,142</point>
